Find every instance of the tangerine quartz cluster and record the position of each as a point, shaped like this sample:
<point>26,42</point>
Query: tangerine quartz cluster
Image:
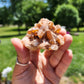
<point>44,35</point>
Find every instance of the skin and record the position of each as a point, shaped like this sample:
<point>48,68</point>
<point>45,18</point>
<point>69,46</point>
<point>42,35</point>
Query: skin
<point>42,68</point>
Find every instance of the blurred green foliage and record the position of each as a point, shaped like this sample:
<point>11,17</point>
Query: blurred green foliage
<point>32,11</point>
<point>4,16</point>
<point>29,12</point>
<point>79,4</point>
<point>67,15</point>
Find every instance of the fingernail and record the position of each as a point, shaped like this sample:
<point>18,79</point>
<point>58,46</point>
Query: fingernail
<point>70,50</point>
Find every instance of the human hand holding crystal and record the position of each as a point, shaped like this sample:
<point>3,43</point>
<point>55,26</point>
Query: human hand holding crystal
<point>42,68</point>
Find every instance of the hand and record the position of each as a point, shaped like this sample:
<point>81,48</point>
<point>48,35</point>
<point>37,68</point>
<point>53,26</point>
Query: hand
<point>43,68</point>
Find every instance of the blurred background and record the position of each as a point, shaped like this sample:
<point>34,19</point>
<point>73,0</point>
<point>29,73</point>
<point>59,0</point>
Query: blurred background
<point>17,16</point>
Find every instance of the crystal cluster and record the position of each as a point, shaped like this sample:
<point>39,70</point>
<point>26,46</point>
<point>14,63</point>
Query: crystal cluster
<point>44,35</point>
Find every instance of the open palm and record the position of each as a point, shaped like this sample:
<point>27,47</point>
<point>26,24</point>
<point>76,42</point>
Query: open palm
<point>43,68</point>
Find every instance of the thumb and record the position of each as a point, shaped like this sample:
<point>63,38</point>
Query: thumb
<point>23,54</point>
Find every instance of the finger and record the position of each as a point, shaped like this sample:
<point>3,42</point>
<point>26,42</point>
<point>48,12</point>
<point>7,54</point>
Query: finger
<point>22,52</point>
<point>50,74</point>
<point>57,55</point>
<point>62,32</point>
<point>64,64</point>
<point>34,56</point>
<point>48,53</point>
